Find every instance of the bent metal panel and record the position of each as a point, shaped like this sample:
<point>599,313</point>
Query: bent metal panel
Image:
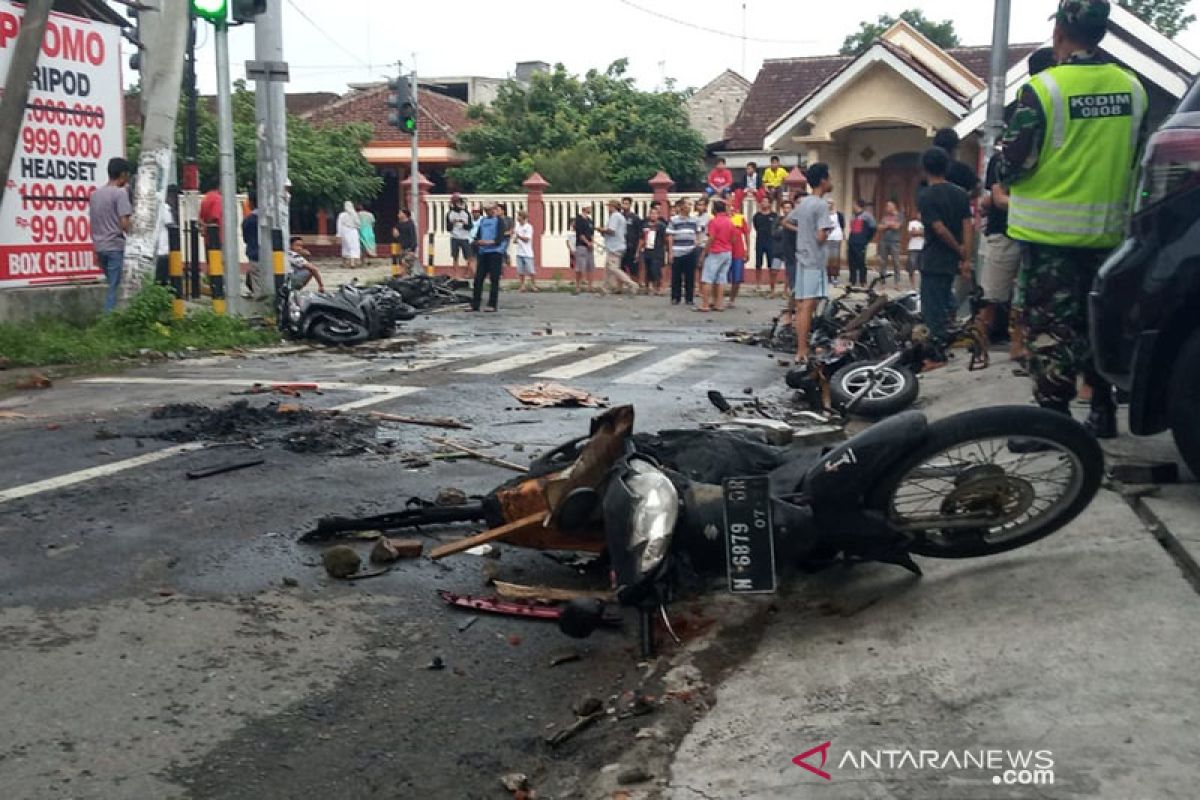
<point>73,125</point>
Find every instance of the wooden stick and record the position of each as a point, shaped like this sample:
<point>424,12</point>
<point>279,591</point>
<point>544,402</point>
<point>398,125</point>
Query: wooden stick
<point>436,422</point>
<point>484,457</point>
<point>492,535</point>
<point>515,591</point>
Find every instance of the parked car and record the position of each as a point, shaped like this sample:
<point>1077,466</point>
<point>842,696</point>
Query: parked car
<point>1146,301</point>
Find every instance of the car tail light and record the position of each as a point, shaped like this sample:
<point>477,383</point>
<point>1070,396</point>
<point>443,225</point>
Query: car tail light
<point>1171,166</point>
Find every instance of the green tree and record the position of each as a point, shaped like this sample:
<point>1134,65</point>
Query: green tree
<point>940,33</point>
<point>598,132</point>
<point>325,164</point>
<point>1168,16</point>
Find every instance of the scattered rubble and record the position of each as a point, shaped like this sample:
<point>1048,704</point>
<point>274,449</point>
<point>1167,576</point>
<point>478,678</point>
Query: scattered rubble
<point>555,395</point>
<point>388,551</point>
<point>451,497</point>
<point>297,429</point>
<point>341,561</point>
<point>36,380</point>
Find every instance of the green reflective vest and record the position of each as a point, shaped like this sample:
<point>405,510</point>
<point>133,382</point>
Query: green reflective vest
<point>1078,194</point>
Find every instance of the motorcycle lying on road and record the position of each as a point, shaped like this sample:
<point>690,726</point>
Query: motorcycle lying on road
<point>349,316</point>
<point>666,506</point>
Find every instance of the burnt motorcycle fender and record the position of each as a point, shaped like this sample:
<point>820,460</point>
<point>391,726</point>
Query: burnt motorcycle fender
<point>842,478</point>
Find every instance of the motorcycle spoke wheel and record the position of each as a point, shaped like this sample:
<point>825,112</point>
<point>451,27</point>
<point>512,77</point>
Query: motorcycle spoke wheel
<point>980,494</point>
<point>889,384</point>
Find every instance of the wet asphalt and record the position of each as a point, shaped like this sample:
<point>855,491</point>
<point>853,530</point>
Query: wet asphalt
<point>324,686</point>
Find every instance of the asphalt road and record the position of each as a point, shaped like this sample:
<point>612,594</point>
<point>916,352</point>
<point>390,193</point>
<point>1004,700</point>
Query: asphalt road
<point>169,638</point>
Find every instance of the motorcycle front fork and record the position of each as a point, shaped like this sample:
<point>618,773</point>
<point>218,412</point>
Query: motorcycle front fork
<point>646,635</point>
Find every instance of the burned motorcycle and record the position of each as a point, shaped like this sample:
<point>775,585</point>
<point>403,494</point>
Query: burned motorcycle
<point>349,316</point>
<point>666,506</point>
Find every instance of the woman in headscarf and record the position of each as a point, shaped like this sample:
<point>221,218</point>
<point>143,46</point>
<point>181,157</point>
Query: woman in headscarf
<point>348,232</point>
<point>366,233</point>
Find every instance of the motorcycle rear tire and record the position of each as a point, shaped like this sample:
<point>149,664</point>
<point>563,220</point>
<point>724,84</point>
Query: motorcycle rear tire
<point>322,330</point>
<point>1000,422</point>
<point>900,385</point>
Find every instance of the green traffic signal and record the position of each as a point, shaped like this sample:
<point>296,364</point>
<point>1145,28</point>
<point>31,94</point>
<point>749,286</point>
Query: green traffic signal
<point>211,10</point>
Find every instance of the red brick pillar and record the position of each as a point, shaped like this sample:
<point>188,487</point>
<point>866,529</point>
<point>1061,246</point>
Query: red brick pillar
<point>424,247</point>
<point>795,181</point>
<point>661,184</point>
<point>322,226</point>
<point>535,203</point>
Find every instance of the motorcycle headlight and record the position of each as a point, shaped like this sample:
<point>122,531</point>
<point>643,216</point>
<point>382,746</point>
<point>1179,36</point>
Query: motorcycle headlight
<point>654,514</point>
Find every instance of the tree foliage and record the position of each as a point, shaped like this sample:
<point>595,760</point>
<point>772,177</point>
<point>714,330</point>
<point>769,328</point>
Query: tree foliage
<point>1168,16</point>
<point>325,164</point>
<point>598,131</point>
<point>940,33</point>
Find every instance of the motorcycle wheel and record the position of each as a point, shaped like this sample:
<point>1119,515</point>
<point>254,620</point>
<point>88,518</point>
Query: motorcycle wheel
<point>896,390</point>
<point>338,331</point>
<point>965,494</point>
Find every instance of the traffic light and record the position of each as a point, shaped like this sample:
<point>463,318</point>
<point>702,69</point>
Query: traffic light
<point>405,115</point>
<point>247,10</point>
<point>211,10</point>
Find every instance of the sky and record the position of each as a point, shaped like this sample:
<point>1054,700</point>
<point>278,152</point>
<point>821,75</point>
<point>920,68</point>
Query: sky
<point>332,44</point>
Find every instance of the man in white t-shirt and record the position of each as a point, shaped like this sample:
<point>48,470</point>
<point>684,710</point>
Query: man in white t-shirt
<point>615,243</point>
<point>833,245</point>
<point>523,234</point>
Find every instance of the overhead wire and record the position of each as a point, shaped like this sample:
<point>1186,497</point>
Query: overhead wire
<point>329,38</point>
<point>713,31</point>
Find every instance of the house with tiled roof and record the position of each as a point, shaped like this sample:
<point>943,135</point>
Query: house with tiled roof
<point>870,116</point>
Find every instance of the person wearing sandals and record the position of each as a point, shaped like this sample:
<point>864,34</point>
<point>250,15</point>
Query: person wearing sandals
<point>523,235</point>
<point>812,224</point>
<point>717,259</point>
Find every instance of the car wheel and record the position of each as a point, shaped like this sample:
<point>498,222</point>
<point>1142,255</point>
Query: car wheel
<point>1183,401</point>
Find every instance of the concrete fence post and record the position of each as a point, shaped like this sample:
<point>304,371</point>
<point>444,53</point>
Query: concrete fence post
<point>661,184</point>
<point>535,204</point>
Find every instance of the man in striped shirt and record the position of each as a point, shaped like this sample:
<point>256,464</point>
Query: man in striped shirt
<point>683,240</point>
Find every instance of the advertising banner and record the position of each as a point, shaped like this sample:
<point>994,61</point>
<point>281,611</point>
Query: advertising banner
<point>74,123</point>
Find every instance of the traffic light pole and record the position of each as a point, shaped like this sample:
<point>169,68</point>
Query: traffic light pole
<point>269,72</point>
<point>997,79</point>
<point>414,190</point>
<point>229,210</point>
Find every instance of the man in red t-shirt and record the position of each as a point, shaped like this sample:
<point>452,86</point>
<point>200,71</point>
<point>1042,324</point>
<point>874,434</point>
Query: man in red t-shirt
<point>717,259</point>
<point>210,214</point>
<point>737,268</point>
<point>720,180</point>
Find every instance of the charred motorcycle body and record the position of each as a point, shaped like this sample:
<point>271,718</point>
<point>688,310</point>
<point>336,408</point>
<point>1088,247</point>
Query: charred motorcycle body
<point>669,507</point>
<point>349,316</point>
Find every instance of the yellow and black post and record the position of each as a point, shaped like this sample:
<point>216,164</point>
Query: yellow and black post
<point>395,259</point>
<point>216,269</point>
<point>278,255</point>
<point>175,270</point>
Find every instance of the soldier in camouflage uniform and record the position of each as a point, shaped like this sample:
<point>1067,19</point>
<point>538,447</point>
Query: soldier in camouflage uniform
<point>1055,279</point>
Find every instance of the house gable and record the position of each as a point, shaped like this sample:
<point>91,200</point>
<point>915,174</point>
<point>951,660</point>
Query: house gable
<point>888,87</point>
<point>933,58</point>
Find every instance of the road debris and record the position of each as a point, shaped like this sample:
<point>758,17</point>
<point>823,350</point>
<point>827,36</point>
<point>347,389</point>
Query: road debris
<point>555,395</point>
<point>36,380</point>
<point>514,591</point>
<point>298,430</point>
<point>432,422</point>
<point>209,472</point>
<point>574,729</point>
<point>341,561</point>
<point>388,551</point>
<point>451,497</point>
<point>502,607</point>
<point>484,551</point>
<point>436,665</point>
<point>631,775</point>
<point>14,415</point>
<point>467,623</point>
<point>484,457</point>
<point>565,657</point>
<point>286,389</point>
<point>492,535</point>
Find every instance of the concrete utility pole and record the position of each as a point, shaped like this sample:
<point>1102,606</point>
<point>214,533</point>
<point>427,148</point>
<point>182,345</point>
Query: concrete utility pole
<point>16,86</point>
<point>229,210</point>
<point>269,71</point>
<point>997,78</point>
<point>164,34</point>
<point>414,191</point>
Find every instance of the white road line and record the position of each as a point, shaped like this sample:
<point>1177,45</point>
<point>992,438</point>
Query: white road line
<point>73,478</point>
<point>667,368</point>
<point>455,356</point>
<point>595,363</point>
<point>379,393</point>
<point>400,391</point>
<point>533,356</point>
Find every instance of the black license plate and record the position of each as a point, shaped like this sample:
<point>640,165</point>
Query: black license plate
<point>749,542</point>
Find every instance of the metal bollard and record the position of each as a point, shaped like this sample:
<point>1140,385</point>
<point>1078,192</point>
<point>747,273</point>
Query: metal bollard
<point>216,270</point>
<point>175,270</point>
<point>278,258</point>
<point>395,259</point>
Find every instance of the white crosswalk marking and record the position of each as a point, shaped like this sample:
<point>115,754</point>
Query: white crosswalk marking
<point>534,356</point>
<point>667,368</point>
<point>595,363</point>
<point>441,356</point>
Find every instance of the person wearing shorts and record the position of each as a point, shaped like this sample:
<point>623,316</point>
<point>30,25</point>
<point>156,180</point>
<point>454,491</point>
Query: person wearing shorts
<point>523,236</point>
<point>585,256</point>
<point>916,247</point>
<point>764,225</point>
<point>741,249</point>
<point>833,245</point>
<point>812,223</point>
<point>1002,258</point>
<point>717,259</point>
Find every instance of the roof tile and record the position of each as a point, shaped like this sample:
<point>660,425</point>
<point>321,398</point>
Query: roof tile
<point>441,119</point>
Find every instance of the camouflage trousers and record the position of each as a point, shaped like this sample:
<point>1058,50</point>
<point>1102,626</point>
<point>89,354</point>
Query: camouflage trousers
<point>1055,282</point>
